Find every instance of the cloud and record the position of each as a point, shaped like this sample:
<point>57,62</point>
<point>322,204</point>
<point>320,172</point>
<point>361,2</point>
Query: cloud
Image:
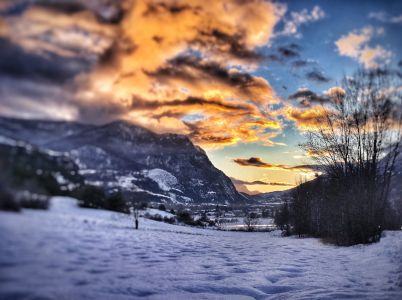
<point>356,45</point>
<point>310,118</point>
<point>257,162</point>
<point>18,63</point>
<point>216,131</point>
<point>300,63</point>
<point>259,182</point>
<point>382,16</point>
<point>105,11</point>
<point>297,19</point>
<point>317,76</point>
<point>335,93</point>
<point>306,97</point>
<point>155,63</point>
<point>289,51</point>
<point>201,74</point>
<point>242,185</point>
<point>283,53</point>
<point>44,31</point>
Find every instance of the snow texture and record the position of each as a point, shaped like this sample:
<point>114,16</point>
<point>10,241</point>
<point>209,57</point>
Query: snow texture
<point>165,180</point>
<point>75,253</point>
<point>154,212</point>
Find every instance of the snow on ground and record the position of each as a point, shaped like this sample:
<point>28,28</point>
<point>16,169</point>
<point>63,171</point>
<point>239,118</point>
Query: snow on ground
<point>75,253</point>
<point>154,212</point>
<point>165,180</point>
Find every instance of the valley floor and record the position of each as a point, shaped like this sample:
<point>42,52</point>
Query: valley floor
<point>74,253</point>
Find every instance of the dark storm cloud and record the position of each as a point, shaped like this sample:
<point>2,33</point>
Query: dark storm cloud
<point>283,53</point>
<point>259,163</point>
<point>18,63</point>
<point>173,8</point>
<point>317,76</point>
<point>106,12</point>
<point>183,68</point>
<point>141,104</point>
<point>67,7</point>
<point>228,44</point>
<point>306,97</point>
<point>289,51</point>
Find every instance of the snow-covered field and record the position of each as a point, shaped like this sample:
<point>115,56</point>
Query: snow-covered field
<point>74,253</point>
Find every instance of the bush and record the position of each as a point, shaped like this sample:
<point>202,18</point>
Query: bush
<point>282,217</point>
<point>170,220</point>
<point>185,217</point>
<point>8,201</point>
<point>156,217</point>
<point>159,218</point>
<point>116,202</point>
<point>90,196</point>
<point>250,221</point>
<point>162,207</point>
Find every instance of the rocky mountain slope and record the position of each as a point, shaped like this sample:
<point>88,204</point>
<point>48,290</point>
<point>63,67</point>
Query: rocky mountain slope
<point>120,155</point>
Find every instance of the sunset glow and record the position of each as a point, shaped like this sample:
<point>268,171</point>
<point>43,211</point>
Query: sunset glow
<point>243,79</point>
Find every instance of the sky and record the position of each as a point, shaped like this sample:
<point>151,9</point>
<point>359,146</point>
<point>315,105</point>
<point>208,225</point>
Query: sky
<point>243,79</point>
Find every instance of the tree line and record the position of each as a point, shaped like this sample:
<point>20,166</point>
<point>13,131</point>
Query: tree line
<point>356,143</point>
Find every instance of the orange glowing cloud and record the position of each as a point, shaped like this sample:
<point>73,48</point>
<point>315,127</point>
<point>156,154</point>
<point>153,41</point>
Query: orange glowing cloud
<point>158,63</point>
<point>259,163</point>
<point>308,118</point>
<point>181,58</point>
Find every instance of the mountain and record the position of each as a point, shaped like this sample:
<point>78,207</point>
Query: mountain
<point>272,197</point>
<point>26,168</point>
<point>150,166</point>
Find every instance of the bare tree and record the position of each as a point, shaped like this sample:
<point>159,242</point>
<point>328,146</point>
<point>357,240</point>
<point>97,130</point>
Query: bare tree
<point>282,217</point>
<point>356,144</point>
<point>134,209</point>
<point>251,220</point>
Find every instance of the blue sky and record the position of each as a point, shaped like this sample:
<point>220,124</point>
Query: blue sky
<point>316,43</point>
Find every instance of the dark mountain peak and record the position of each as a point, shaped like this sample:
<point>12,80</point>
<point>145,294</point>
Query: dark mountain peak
<point>129,131</point>
<point>125,128</point>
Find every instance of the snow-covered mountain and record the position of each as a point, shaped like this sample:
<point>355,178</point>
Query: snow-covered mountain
<point>152,166</point>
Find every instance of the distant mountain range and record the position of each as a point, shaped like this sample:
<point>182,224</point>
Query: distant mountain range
<point>120,155</point>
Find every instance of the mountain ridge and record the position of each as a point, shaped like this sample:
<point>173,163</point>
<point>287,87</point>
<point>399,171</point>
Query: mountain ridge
<point>155,167</point>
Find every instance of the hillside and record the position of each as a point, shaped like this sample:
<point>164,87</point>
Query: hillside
<point>24,167</point>
<point>120,155</point>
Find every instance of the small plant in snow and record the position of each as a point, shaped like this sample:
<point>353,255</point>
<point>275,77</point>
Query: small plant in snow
<point>251,220</point>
